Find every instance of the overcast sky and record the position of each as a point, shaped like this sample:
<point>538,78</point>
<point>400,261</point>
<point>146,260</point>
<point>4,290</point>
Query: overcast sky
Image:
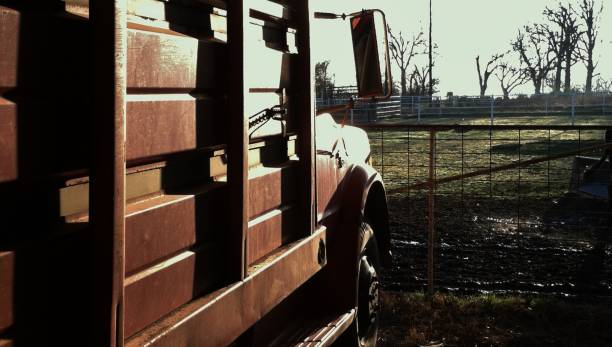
<point>461,28</point>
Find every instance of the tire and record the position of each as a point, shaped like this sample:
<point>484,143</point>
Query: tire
<point>364,330</point>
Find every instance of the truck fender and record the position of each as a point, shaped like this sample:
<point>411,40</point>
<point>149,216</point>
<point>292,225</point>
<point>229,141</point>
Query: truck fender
<point>362,189</point>
<point>365,199</point>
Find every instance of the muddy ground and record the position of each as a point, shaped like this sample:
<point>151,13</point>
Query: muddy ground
<point>546,281</point>
<point>561,246</point>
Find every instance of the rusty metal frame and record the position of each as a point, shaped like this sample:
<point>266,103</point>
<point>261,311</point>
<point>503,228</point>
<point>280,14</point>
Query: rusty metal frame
<point>306,117</point>
<point>107,198</point>
<point>238,144</point>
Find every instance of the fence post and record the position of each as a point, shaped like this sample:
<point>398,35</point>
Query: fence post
<point>546,104</point>
<point>603,103</point>
<point>440,106</point>
<point>573,108</point>
<point>412,104</point>
<point>430,212</point>
<point>419,108</point>
<point>492,109</point>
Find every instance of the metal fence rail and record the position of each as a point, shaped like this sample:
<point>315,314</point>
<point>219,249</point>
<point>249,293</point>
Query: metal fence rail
<point>419,108</point>
<point>501,179</point>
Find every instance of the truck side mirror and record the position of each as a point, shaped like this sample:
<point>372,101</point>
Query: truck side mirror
<point>367,63</point>
<point>365,49</point>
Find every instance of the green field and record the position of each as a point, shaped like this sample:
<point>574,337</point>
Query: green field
<point>402,156</point>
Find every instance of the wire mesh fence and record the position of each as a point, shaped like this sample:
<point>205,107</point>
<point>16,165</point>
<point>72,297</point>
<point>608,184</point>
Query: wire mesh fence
<point>576,108</point>
<point>494,208</point>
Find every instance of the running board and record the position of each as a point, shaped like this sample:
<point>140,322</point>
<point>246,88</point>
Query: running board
<point>317,333</point>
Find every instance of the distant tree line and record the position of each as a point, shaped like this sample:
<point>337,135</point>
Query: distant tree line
<point>542,54</point>
<point>547,52</point>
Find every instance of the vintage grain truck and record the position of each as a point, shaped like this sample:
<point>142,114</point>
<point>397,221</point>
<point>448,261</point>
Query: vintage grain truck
<point>166,181</point>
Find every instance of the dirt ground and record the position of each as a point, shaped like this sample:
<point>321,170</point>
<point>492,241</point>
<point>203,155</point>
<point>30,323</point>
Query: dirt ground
<point>493,320</point>
<point>500,283</point>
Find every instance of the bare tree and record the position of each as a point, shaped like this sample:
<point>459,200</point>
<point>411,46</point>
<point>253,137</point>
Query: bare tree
<point>403,51</point>
<point>419,81</point>
<point>556,43</point>
<point>483,77</point>
<point>532,46</point>
<point>569,34</point>
<point>603,86</point>
<point>510,77</point>
<point>590,17</point>
<point>324,83</point>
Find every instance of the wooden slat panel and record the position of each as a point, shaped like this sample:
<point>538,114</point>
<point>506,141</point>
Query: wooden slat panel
<point>7,276</point>
<point>151,294</point>
<point>8,140</point>
<point>176,62</point>
<point>271,188</point>
<point>269,232</point>
<point>199,323</point>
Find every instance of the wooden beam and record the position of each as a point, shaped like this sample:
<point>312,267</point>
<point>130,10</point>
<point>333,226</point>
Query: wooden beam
<point>107,198</point>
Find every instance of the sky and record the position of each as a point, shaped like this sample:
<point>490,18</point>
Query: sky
<point>462,29</point>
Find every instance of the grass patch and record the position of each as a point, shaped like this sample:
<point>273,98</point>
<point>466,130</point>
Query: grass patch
<point>411,319</point>
<point>402,156</point>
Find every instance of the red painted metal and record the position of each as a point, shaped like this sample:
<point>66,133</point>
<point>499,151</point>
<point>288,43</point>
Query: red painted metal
<point>175,62</point>
<point>107,198</point>
<point>238,142</point>
<point>271,188</point>
<point>8,141</point>
<point>269,232</point>
<point>305,113</point>
<point>199,323</point>
<point>7,295</point>
<point>204,261</point>
<point>9,30</point>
